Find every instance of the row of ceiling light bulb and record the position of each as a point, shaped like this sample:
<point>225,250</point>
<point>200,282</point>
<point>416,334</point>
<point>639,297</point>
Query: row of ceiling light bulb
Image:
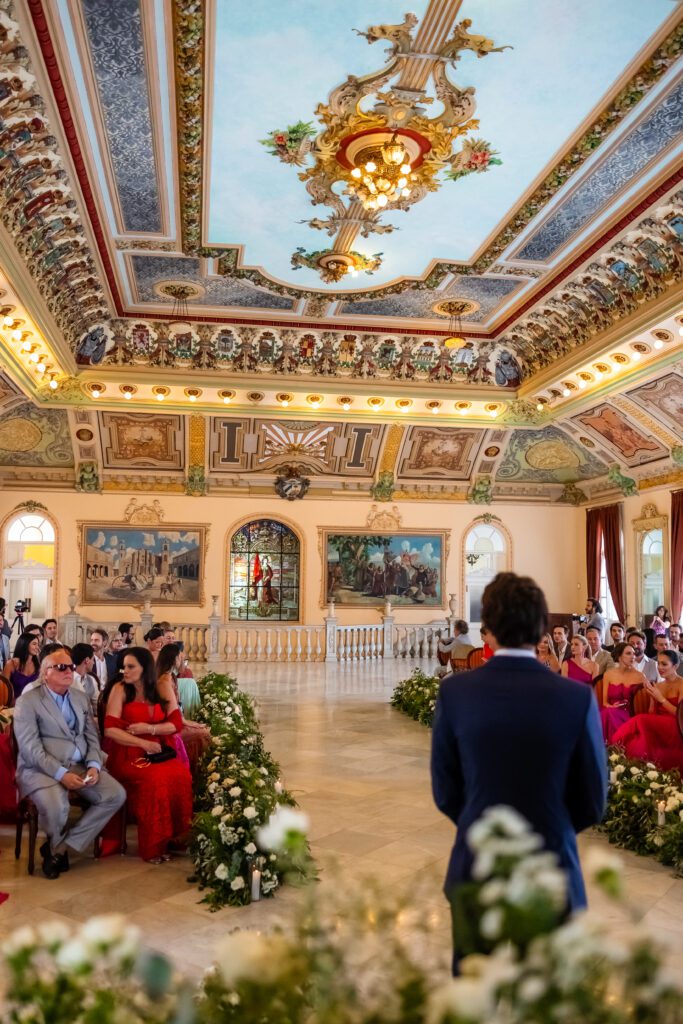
<point>598,371</point>
<point>285,399</point>
<point>30,350</point>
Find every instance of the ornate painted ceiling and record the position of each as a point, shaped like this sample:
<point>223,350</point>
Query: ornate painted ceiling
<point>187,216</point>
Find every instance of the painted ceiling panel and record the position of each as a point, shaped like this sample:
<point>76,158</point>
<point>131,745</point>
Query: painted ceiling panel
<point>35,437</point>
<point>619,435</point>
<point>218,291</point>
<point>664,399</point>
<point>548,455</point>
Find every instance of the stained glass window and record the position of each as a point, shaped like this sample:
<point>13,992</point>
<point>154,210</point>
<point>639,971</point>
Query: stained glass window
<point>264,572</point>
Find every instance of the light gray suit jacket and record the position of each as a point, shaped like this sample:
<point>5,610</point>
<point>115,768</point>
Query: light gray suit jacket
<point>45,741</point>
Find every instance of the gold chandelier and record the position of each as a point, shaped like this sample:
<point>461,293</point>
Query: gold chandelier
<point>382,176</point>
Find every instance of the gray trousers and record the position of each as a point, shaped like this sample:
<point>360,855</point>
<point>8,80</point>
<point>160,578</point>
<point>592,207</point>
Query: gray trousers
<point>106,796</point>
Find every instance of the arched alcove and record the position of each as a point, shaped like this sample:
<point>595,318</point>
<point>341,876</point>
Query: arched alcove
<point>29,563</point>
<point>486,551</point>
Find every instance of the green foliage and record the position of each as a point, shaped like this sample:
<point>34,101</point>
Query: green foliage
<point>237,789</point>
<point>416,696</point>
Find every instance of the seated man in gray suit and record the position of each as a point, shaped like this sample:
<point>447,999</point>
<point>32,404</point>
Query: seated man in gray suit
<point>59,752</point>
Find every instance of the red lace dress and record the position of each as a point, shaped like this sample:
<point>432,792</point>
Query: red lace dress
<point>653,737</point>
<point>159,795</point>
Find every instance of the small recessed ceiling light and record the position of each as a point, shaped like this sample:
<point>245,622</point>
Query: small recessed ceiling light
<point>16,335</point>
<point>96,393</point>
<point>26,346</point>
<point>226,399</point>
<point>7,321</point>
<point>659,343</point>
<point>346,406</point>
<point>636,356</point>
<point>539,407</point>
<point>566,392</point>
<point>127,396</point>
<point>582,384</point>
<point>160,398</point>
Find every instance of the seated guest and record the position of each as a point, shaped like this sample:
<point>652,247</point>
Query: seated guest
<point>127,631</point>
<point>544,653</point>
<point>655,736</point>
<point>116,645</point>
<point>37,630</point>
<point>59,752</point>
<point>50,629</point>
<point>601,657</point>
<point>579,666</point>
<point>83,658</point>
<point>8,789</point>
<point>24,667</point>
<point>154,640</point>
<point>648,666</point>
<point>617,684</point>
<point>195,736</point>
<point>4,643</point>
<point>105,667</point>
<point>661,644</point>
<point>488,643</point>
<point>616,633</point>
<point>661,620</point>
<point>138,722</point>
<point>561,643</point>
<point>674,636</point>
<point>461,631</point>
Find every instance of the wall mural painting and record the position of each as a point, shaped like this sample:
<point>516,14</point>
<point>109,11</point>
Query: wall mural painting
<point>264,572</point>
<point>363,569</point>
<point>629,442</point>
<point>129,565</point>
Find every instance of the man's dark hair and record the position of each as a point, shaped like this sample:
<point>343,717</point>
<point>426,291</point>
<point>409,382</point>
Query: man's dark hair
<point>593,629</point>
<point>461,626</point>
<point>514,608</point>
<point>613,624</point>
<point>636,632</point>
<point>80,652</point>
<point>597,607</point>
<point>47,623</point>
<point>101,632</point>
<point>562,625</point>
<point>126,627</point>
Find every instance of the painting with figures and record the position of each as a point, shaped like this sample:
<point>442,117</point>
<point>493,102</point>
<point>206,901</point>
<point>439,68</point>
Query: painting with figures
<point>364,568</point>
<point>128,565</point>
<point>264,572</point>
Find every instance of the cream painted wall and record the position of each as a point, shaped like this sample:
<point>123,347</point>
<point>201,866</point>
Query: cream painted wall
<point>547,544</point>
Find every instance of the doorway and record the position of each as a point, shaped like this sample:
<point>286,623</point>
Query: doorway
<point>29,566</point>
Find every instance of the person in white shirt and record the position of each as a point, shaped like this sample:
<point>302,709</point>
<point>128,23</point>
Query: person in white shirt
<point>461,632</point>
<point>644,664</point>
<point>601,657</point>
<point>50,630</point>
<point>83,658</point>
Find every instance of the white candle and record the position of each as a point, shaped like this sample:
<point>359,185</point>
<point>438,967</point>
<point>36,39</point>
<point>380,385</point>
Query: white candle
<point>613,777</point>
<point>661,817</point>
<point>255,885</point>
<point>278,786</point>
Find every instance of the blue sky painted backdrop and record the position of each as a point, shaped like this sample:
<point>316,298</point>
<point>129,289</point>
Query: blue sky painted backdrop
<point>276,61</point>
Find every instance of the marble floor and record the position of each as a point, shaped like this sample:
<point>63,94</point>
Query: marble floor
<point>360,770</point>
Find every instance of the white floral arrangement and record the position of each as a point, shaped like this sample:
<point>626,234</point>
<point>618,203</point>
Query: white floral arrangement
<point>237,792</point>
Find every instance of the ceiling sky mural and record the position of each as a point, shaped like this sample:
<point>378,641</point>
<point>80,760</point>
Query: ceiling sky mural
<point>562,59</point>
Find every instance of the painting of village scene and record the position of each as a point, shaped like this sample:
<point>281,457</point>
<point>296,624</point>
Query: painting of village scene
<point>364,569</point>
<point>135,564</point>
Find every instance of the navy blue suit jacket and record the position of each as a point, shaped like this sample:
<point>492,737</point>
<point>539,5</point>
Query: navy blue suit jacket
<point>513,732</point>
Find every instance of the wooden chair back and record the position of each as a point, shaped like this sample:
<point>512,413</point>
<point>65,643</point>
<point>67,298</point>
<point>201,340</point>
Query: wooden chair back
<point>475,658</point>
<point>459,664</point>
<point>6,693</point>
<point>599,687</point>
<point>638,700</point>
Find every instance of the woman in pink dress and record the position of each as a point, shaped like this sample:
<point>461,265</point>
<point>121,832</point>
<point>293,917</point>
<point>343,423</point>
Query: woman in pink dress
<point>661,620</point>
<point>655,736</point>
<point>618,683</point>
<point>580,667</point>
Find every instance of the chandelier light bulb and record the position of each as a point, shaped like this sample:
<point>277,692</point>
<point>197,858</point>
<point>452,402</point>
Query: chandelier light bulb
<point>16,334</point>
<point>680,330</point>
<point>402,182</point>
<point>345,406</point>
<point>356,172</point>
<point>226,400</point>
<point>539,407</point>
<point>370,166</point>
<point>34,357</point>
<point>382,200</point>
<point>599,375</point>
<point>405,169</point>
<point>435,410</point>
<point>284,403</point>
<point>41,367</point>
<point>405,191</point>
<point>463,412</point>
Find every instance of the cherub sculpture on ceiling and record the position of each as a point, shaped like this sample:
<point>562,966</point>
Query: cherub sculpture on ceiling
<point>389,154</point>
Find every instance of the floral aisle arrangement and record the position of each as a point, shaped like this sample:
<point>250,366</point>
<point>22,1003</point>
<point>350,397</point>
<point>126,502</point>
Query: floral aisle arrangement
<point>645,809</point>
<point>356,957</point>
<point>416,696</point>
<point>236,792</point>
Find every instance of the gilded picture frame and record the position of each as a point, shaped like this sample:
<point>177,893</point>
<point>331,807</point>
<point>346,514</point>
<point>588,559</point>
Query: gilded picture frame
<point>362,568</point>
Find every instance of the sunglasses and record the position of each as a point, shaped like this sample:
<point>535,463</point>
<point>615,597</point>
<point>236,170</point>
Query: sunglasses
<point>63,667</point>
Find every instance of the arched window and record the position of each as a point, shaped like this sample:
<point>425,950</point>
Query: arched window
<point>29,559</point>
<point>264,572</point>
<point>652,573</point>
<point>486,554</point>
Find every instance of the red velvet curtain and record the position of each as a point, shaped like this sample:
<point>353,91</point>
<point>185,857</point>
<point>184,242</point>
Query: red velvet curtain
<point>603,529</point>
<point>593,539</point>
<point>677,555</point>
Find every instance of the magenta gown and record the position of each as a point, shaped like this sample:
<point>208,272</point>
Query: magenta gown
<point>617,714</point>
<point>579,675</point>
<point>653,736</point>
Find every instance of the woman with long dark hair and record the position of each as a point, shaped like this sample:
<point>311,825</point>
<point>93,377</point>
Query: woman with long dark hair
<point>24,667</point>
<point>661,620</point>
<point>195,737</point>
<point>139,722</point>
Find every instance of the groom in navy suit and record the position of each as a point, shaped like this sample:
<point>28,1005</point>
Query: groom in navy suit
<point>513,732</point>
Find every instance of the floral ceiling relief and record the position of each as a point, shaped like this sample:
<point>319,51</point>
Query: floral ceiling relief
<point>547,456</point>
<point>35,437</point>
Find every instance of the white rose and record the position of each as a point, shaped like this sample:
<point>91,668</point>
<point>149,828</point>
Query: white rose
<point>464,998</point>
<point>283,820</point>
<point>251,956</point>
<point>250,812</point>
<point>250,848</point>
<point>214,777</point>
<point>105,929</point>
<point>218,810</point>
<point>492,923</point>
<point>221,872</point>
<point>237,883</point>
<point>653,775</point>
<point>235,791</point>
<point>53,933</point>
<point>73,954</point>
<point>532,988</point>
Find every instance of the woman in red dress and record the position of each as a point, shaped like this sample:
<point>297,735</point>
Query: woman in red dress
<point>654,736</point>
<point>139,721</point>
<point>618,682</point>
<point>580,667</point>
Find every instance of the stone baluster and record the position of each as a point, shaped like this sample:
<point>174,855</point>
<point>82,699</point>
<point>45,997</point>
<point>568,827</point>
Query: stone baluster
<point>388,632</point>
<point>330,633</point>
<point>213,653</point>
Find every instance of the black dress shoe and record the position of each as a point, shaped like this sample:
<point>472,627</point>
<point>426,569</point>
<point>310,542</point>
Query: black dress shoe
<point>59,860</point>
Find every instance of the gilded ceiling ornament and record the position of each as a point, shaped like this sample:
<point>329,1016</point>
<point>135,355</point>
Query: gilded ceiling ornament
<point>551,454</point>
<point>388,154</point>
